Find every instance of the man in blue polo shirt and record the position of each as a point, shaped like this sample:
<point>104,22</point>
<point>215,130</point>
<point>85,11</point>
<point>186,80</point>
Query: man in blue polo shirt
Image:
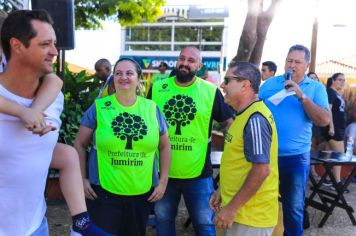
<point>301,103</point>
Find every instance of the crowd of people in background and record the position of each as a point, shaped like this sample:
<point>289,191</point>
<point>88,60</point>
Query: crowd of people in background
<point>146,153</point>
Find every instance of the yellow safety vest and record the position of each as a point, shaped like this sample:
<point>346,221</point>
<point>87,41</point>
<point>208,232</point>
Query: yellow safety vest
<point>262,209</point>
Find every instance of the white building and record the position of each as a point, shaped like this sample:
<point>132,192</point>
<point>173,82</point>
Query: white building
<point>190,25</point>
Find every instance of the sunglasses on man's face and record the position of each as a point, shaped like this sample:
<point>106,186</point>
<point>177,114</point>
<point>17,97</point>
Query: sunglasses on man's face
<point>227,79</point>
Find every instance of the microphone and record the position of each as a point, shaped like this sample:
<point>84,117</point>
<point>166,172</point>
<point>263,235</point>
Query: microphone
<point>288,76</point>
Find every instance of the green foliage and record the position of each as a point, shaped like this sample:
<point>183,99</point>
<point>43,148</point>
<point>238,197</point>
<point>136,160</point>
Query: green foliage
<point>80,91</point>
<point>89,13</point>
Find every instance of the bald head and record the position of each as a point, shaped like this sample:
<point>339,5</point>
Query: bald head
<point>102,69</point>
<point>192,51</point>
<point>189,62</point>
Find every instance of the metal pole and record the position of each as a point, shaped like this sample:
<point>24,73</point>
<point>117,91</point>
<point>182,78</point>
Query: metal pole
<point>58,64</point>
<point>63,68</point>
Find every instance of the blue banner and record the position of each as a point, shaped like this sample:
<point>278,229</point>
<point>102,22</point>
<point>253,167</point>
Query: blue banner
<point>152,62</point>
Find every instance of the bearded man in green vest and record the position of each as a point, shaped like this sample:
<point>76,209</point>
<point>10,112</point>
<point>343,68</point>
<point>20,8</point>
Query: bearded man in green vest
<point>246,202</point>
<point>189,105</point>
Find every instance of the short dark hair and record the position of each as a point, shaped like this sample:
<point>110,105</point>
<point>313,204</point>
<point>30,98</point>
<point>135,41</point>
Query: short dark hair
<point>18,25</point>
<point>248,71</point>
<point>299,47</point>
<point>164,64</point>
<point>103,62</point>
<point>271,66</point>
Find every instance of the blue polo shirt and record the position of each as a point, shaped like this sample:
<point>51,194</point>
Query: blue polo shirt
<point>294,127</point>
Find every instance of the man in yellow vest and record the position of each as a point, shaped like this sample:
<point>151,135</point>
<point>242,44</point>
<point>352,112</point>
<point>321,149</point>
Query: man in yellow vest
<point>189,105</point>
<point>246,202</point>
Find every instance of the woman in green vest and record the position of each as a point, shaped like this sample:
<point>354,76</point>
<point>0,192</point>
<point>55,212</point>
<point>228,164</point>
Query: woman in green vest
<point>128,131</point>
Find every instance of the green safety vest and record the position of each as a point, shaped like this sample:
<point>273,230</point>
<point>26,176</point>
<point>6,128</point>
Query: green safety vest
<point>158,76</point>
<point>126,140</point>
<point>188,113</point>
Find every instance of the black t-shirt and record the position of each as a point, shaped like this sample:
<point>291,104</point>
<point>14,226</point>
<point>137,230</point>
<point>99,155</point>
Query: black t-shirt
<point>338,109</point>
<point>221,112</point>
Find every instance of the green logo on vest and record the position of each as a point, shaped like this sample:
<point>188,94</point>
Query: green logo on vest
<point>130,127</point>
<point>179,111</point>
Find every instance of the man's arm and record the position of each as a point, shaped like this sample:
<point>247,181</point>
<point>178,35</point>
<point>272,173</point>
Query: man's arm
<point>258,138</point>
<point>319,115</point>
<point>259,172</point>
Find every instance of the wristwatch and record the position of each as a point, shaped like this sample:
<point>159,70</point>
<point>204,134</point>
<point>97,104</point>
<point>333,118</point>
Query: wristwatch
<point>301,98</point>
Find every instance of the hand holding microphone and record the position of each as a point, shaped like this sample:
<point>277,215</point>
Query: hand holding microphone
<point>288,76</point>
<point>291,85</point>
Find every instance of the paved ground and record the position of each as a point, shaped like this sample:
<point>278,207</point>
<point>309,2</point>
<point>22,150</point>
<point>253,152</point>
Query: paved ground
<point>338,223</point>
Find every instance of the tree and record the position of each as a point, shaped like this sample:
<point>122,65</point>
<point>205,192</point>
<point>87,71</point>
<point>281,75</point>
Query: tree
<point>89,13</point>
<point>179,111</point>
<point>255,30</point>
<point>128,126</point>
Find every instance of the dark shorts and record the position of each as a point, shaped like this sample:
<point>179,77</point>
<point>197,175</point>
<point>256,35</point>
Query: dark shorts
<point>118,214</point>
<point>317,136</point>
<point>316,132</point>
<point>338,136</point>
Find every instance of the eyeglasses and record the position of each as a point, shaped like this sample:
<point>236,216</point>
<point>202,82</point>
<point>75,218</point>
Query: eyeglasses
<point>342,80</point>
<point>228,79</point>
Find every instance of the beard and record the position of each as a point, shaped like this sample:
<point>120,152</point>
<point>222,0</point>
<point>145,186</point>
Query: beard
<point>184,77</point>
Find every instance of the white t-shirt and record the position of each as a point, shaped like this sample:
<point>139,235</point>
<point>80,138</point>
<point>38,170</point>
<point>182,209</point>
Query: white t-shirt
<point>24,163</point>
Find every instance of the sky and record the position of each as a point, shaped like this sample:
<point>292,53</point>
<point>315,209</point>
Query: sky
<point>291,25</point>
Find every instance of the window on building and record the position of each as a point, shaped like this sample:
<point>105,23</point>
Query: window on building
<point>158,38</point>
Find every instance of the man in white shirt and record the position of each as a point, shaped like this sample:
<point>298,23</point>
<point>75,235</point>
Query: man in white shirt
<point>28,41</point>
